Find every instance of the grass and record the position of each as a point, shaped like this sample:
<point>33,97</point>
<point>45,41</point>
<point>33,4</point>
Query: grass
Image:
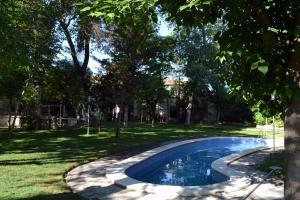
<point>32,163</point>
<point>277,159</point>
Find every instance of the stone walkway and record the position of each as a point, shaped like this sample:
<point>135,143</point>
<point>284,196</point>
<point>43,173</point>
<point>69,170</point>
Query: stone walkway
<point>89,181</point>
<point>272,188</point>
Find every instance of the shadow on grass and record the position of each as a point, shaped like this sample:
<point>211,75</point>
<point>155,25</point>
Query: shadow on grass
<point>62,196</point>
<point>55,149</point>
<point>74,146</point>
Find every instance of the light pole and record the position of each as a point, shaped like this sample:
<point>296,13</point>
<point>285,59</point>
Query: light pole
<point>88,117</point>
<point>273,99</point>
<point>273,134</point>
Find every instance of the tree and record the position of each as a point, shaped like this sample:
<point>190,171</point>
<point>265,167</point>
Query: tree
<point>151,91</point>
<point>197,53</point>
<point>126,45</point>
<point>28,46</point>
<point>157,63</point>
<point>262,39</point>
<point>138,59</point>
<point>117,88</point>
<point>78,30</point>
<point>12,55</point>
<point>61,83</point>
<point>11,86</point>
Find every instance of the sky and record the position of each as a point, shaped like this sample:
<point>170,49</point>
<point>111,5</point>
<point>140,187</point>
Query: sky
<point>163,30</point>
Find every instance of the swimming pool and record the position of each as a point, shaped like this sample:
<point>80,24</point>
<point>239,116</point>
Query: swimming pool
<point>190,164</point>
<point>195,167</point>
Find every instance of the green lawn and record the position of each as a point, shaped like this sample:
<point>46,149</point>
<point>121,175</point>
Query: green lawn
<point>32,163</point>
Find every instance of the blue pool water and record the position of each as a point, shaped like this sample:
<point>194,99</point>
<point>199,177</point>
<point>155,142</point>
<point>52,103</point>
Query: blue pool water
<point>190,164</point>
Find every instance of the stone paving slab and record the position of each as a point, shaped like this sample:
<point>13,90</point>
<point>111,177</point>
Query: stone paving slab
<point>90,182</point>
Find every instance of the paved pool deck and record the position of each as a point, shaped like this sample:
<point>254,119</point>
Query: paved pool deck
<point>89,181</point>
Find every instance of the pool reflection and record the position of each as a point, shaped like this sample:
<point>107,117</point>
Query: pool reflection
<point>190,164</point>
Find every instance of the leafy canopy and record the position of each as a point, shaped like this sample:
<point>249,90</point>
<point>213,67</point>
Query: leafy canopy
<point>261,40</point>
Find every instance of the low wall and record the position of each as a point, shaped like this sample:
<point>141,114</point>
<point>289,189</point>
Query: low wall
<point>4,121</point>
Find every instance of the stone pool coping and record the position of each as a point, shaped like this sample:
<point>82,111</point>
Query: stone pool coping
<point>237,180</point>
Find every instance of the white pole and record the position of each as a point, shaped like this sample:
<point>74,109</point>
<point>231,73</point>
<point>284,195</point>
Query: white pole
<point>99,129</point>
<point>273,134</point>
<point>60,111</point>
<point>88,121</point>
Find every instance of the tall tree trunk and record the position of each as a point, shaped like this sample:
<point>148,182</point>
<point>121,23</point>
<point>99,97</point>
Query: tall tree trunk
<point>125,122</point>
<point>135,111</point>
<point>292,130</point>
<point>77,118</point>
<point>38,110</point>
<point>15,115</point>
<point>292,150</point>
<point>218,113</point>
<point>152,122</point>
<point>9,114</point>
<point>80,69</point>
<point>117,117</point>
<point>168,111</point>
<point>152,112</point>
<point>189,111</point>
<point>100,114</point>
<point>118,127</point>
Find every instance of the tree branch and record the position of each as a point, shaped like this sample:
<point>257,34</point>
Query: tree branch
<point>86,53</point>
<point>70,20</point>
<point>70,42</point>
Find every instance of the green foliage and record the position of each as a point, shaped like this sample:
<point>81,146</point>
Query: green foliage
<point>112,11</point>
<point>259,118</point>
<point>29,104</point>
<point>61,83</point>
<point>27,37</point>
<point>260,41</point>
<point>12,53</point>
<point>139,60</point>
<point>28,45</point>
<point>197,52</point>
<point>262,117</point>
<point>12,81</point>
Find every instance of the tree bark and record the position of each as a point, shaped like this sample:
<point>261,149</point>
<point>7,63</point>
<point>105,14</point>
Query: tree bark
<point>64,27</point>
<point>218,113</point>
<point>125,123</point>
<point>38,110</point>
<point>118,128</point>
<point>168,111</point>
<point>80,69</point>
<point>141,117</point>
<point>292,128</point>
<point>292,150</point>
<point>9,114</point>
<point>15,116</point>
<point>152,105</point>
<point>99,128</point>
<point>189,111</point>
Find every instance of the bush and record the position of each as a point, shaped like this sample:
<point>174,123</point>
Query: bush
<point>29,122</point>
<point>261,119</point>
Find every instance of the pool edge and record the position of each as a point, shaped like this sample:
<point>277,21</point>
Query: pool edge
<point>237,180</point>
